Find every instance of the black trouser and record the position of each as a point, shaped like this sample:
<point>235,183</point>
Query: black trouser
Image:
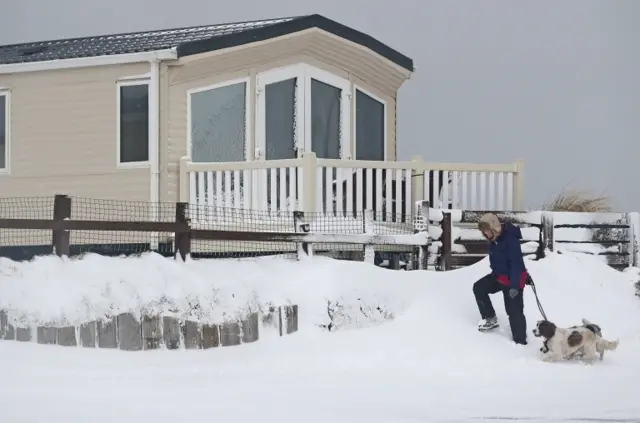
<point>514,307</point>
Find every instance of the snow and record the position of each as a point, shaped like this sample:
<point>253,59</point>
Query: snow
<point>588,248</point>
<point>473,234</point>
<point>428,363</point>
<point>573,218</point>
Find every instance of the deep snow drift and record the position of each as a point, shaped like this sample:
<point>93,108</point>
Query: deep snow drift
<point>427,364</point>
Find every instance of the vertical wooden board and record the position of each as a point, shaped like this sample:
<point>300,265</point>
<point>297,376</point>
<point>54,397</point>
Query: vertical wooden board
<point>210,336</point>
<point>151,332</point>
<point>107,333</point>
<point>292,318</point>
<point>10,333</point>
<point>88,332</point>
<point>192,334</point>
<point>129,332</point>
<point>4,324</point>
<point>171,332</point>
<point>47,335</point>
<point>250,331</point>
<point>230,334</point>
<point>23,334</point>
<point>67,336</point>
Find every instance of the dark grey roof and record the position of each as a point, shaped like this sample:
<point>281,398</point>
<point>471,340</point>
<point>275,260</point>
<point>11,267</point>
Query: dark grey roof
<point>192,40</point>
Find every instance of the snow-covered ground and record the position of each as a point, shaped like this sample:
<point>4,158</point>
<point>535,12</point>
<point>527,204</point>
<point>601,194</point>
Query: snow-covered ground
<point>427,364</point>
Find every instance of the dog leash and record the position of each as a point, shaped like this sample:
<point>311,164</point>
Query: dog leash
<point>535,292</point>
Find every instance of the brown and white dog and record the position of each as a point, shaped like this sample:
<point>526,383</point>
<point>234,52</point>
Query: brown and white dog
<point>567,343</point>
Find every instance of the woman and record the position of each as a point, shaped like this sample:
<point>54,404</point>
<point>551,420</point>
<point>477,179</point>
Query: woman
<point>508,275</point>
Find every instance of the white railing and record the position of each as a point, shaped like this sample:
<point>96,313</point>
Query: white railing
<point>343,187</point>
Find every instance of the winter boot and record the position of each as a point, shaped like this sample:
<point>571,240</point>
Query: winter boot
<point>488,324</point>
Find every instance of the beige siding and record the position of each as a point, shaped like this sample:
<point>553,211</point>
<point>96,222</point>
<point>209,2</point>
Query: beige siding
<point>317,48</point>
<point>63,135</point>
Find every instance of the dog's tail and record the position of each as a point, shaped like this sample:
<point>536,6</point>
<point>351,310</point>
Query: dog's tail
<point>603,344</point>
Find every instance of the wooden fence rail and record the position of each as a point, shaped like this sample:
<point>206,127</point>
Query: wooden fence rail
<point>61,224</point>
<point>611,236</point>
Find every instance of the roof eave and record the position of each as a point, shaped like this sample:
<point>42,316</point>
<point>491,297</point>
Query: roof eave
<point>292,27</point>
<point>82,62</point>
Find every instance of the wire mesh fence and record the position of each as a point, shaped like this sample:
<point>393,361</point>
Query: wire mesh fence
<point>121,242</point>
<point>26,243</point>
<point>242,220</point>
<point>15,243</point>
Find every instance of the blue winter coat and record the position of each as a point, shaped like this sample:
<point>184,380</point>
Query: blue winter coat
<point>505,257</point>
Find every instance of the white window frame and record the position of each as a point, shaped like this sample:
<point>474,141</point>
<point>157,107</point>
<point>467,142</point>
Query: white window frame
<point>247,110</point>
<point>6,93</point>
<point>345,107</point>
<point>302,135</point>
<point>269,77</point>
<point>127,82</point>
<point>385,107</point>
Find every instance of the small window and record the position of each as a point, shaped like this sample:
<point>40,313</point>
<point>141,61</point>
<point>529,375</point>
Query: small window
<point>370,127</point>
<point>133,119</point>
<point>4,131</point>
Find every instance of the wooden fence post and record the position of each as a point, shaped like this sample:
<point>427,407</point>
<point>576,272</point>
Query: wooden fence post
<point>634,238</point>
<point>447,241</point>
<point>60,237</point>
<point>303,248</point>
<point>369,228</point>
<point>182,235</point>
<point>421,224</point>
<point>546,233</point>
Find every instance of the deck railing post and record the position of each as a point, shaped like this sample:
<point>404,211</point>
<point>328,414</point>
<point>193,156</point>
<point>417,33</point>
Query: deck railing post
<point>309,181</point>
<point>518,186</point>
<point>418,168</point>
<point>184,180</point>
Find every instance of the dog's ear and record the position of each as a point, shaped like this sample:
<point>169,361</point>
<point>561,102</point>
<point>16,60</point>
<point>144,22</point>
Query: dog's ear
<point>547,329</point>
<point>594,328</point>
<point>574,339</point>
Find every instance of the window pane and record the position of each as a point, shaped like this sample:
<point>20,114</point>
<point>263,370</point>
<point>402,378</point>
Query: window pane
<point>280,103</point>
<point>370,127</point>
<point>218,121</point>
<point>3,132</point>
<point>325,120</point>
<point>134,123</point>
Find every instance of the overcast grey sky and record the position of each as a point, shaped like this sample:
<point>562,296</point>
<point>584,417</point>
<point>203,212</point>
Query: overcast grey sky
<point>556,83</point>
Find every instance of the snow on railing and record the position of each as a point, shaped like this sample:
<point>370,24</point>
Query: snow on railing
<point>342,188</point>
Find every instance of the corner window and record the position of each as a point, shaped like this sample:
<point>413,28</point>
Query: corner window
<point>370,127</point>
<point>218,122</point>
<point>133,122</point>
<point>4,131</point>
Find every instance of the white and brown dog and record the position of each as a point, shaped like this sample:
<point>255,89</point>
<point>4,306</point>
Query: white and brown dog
<point>584,341</point>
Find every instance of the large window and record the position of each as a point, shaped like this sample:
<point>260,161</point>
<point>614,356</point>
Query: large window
<point>4,131</point>
<point>218,122</point>
<point>133,122</point>
<point>370,127</point>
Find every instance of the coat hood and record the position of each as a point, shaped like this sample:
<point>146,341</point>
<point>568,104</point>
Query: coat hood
<point>489,222</point>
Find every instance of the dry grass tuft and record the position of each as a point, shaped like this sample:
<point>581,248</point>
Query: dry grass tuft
<point>578,201</point>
